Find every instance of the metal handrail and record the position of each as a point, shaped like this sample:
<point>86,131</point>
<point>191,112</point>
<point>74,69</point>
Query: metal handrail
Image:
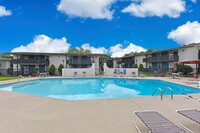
<point>20,76</point>
<point>168,88</point>
<point>161,92</point>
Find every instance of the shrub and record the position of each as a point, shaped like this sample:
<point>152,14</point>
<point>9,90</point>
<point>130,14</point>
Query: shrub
<point>52,70</point>
<point>9,71</point>
<point>135,66</point>
<point>60,69</point>
<point>140,67</point>
<point>184,68</point>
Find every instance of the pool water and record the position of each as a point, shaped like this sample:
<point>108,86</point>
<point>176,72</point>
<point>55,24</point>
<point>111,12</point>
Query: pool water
<point>95,88</point>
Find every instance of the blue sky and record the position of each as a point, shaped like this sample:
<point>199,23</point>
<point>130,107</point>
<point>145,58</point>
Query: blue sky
<point>115,27</point>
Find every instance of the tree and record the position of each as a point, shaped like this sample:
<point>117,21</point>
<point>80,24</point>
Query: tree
<point>184,68</point>
<point>135,66</point>
<point>9,71</point>
<point>88,51</point>
<point>78,51</point>
<point>134,54</point>
<point>105,57</point>
<point>73,51</point>
<point>52,70</point>
<point>6,56</point>
<point>60,69</point>
<point>150,50</point>
<point>140,67</point>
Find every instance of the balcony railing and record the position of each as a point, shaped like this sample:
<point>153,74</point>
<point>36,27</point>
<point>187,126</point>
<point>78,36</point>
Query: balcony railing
<point>155,59</point>
<point>30,61</point>
<point>76,62</point>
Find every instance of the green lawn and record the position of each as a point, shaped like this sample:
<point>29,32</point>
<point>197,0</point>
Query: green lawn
<point>150,74</point>
<point>2,78</point>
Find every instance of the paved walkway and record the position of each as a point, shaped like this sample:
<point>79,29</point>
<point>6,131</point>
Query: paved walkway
<point>21,113</point>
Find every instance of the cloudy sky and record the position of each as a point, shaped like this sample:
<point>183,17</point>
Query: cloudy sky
<point>114,27</point>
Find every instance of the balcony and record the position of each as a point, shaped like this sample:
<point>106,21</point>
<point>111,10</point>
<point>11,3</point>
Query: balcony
<point>30,61</point>
<point>163,59</point>
<point>80,62</point>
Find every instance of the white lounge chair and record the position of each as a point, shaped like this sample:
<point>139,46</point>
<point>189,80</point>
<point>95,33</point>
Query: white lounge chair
<point>192,114</point>
<point>157,123</point>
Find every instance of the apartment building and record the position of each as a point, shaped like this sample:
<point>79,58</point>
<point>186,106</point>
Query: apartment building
<point>162,60</point>
<point>123,62</point>
<point>189,53</point>
<point>83,61</point>
<point>27,63</point>
<point>4,66</point>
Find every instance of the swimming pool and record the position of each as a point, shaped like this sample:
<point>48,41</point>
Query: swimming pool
<point>95,88</point>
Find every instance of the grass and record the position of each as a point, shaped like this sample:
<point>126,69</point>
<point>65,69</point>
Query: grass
<point>3,78</point>
<point>149,74</point>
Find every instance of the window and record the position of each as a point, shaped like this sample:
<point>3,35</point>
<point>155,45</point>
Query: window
<point>36,57</point>
<point>47,57</point>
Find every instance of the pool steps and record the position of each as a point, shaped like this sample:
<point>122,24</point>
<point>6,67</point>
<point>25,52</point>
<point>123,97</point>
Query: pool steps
<point>162,92</point>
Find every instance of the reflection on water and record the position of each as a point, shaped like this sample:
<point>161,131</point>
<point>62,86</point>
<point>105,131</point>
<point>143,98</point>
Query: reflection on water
<point>94,88</point>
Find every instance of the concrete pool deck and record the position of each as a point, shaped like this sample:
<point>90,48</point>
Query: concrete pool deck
<point>21,113</point>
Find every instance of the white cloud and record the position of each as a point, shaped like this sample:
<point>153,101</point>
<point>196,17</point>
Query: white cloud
<point>95,9</point>
<point>4,12</point>
<point>194,1</point>
<point>100,50</point>
<point>45,44</point>
<point>159,8</point>
<point>119,51</point>
<point>186,34</point>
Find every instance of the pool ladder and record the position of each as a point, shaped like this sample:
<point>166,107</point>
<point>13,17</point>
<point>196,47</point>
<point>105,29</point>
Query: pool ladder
<point>20,76</point>
<point>162,92</point>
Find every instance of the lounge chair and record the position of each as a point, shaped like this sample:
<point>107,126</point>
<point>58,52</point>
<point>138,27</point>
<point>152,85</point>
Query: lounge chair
<point>178,75</point>
<point>157,123</point>
<point>192,114</point>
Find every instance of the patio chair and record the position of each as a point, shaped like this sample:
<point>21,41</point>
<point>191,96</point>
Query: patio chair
<point>157,123</point>
<point>124,72</point>
<point>84,74</point>
<point>192,114</point>
<point>115,72</point>
<point>75,74</point>
<point>133,74</point>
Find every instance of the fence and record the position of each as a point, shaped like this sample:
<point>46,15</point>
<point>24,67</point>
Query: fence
<point>79,71</point>
<point>129,72</point>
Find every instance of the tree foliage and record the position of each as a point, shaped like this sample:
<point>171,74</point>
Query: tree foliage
<point>105,57</point>
<point>135,66</point>
<point>78,51</point>
<point>60,69</point>
<point>141,67</point>
<point>184,68</point>
<point>52,70</point>
<point>6,56</point>
<point>134,54</point>
<point>141,53</point>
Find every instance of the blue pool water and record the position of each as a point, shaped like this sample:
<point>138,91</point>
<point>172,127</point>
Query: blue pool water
<point>95,88</point>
